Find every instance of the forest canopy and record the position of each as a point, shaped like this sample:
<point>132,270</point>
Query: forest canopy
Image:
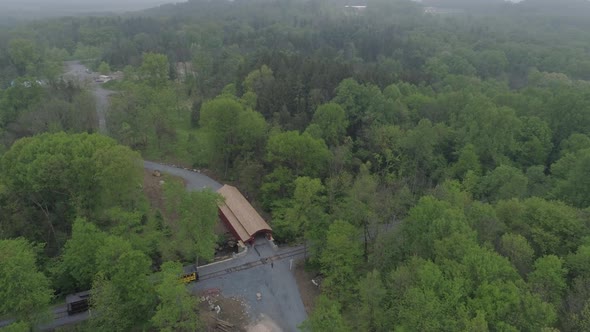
<point>433,162</point>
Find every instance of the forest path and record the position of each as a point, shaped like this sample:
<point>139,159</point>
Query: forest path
<point>241,277</point>
<point>75,69</point>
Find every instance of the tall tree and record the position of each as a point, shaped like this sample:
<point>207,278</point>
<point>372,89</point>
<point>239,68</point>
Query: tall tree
<point>548,279</point>
<point>232,131</point>
<point>339,265</point>
<point>372,312</point>
<point>332,122</point>
<point>571,183</point>
<point>197,215</point>
<point>52,178</point>
<point>301,153</point>
<point>518,251</point>
<point>122,294</point>
<point>25,294</point>
<point>326,317</point>
<point>24,56</point>
<point>78,261</point>
<point>305,214</point>
<point>155,69</point>
<point>177,308</point>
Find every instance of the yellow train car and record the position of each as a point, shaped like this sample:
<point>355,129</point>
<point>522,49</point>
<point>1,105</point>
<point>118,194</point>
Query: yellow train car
<point>189,277</point>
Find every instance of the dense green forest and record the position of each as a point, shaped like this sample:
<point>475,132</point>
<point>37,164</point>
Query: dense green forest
<point>436,165</point>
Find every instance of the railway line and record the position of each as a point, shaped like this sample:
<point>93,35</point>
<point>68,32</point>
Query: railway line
<point>249,265</point>
<point>62,317</point>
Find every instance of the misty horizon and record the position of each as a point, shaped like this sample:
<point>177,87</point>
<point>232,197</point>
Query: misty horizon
<point>47,8</point>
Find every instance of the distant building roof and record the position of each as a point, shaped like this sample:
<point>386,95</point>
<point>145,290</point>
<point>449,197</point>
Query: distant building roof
<point>241,216</point>
<point>356,6</point>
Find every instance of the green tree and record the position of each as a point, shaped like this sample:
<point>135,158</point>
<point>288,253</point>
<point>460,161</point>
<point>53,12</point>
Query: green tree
<point>25,57</point>
<point>504,182</point>
<point>104,68</point>
<point>424,298</point>
<point>548,279</point>
<point>371,315</point>
<point>510,307</point>
<point>535,142</point>
<point>258,80</point>
<point>556,227</point>
<point>197,216</point>
<point>577,306</point>
<point>122,293</point>
<point>22,98</point>
<point>25,294</point>
<point>305,215</point>
<point>177,308</point>
<point>331,119</point>
<point>574,143</point>
<point>106,305</point>
<point>340,260</point>
<point>360,206</point>
<point>431,220</point>
<point>491,63</point>
<point>326,317</point>
<point>517,249</point>
<point>155,69</point>
<point>78,261</point>
<point>467,161</point>
<point>301,153</point>
<point>421,160</point>
<point>483,219</point>
<point>572,185</point>
<point>51,179</point>
<point>578,263</point>
<point>491,130</point>
<point>233,131</point>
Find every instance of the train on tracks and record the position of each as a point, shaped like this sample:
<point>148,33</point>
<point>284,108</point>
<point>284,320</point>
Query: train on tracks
<point>80,302</point>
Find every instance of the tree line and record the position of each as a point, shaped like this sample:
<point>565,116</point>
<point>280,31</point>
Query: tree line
<point>434,166</point>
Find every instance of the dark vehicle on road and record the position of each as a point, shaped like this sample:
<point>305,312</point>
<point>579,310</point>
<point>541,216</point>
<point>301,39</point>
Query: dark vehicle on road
<point>78,302</point>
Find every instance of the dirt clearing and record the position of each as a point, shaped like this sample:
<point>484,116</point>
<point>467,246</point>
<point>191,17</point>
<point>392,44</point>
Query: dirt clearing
<point>264,324</point>
<point>232,316</point>
<point>307,289</point>
<point>153,187</point>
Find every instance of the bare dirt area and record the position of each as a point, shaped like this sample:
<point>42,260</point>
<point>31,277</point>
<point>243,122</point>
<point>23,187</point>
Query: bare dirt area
<point>153,188</point>
<point>232,316</point>
<point>307,289</point>
<point>264,324</point>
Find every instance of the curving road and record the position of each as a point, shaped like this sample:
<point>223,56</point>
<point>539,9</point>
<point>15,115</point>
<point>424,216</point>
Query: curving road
<point>242,276</point>
<point>194,180</point>
<point>77,71</point>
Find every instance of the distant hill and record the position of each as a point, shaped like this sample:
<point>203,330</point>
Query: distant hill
<point>462,3</point>
<point>35,9</point>
<point>555,7</point>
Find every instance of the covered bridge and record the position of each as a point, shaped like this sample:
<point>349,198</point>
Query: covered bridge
<point>240,217</point>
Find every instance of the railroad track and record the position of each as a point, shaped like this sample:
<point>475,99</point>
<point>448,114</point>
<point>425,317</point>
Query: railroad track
<point>60,312</point>
<point>250,265</point>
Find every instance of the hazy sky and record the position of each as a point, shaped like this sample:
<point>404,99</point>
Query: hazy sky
<point>24,8</point>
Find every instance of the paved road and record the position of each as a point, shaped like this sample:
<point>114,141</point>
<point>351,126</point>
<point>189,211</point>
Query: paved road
<point>76,70</point>
<point>194,180</point>
<point>252,273</point>
<point>281,300</point>
<point>242,276</point>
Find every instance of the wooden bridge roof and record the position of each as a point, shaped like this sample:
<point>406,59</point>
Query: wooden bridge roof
<point>243,218</point>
